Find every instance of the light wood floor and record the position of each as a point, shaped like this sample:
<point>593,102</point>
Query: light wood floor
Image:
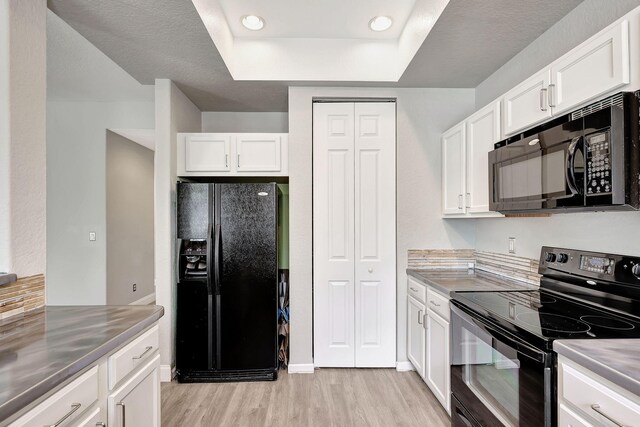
<point>329,397</point>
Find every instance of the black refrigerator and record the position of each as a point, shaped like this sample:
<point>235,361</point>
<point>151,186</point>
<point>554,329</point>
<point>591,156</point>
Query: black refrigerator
<point>227,292</point>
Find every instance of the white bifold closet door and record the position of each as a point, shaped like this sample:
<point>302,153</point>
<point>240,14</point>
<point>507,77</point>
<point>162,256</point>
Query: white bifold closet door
<point>354,234</point>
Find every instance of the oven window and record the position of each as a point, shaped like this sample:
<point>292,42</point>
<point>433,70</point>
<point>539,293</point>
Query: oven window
<point>492,373</point>
<point>532,176</point>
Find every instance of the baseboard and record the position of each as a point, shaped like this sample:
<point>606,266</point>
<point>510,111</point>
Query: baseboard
<point>404,366</point>
<point>167,373</point>
<point>300,368</point>
<point>151,298</point>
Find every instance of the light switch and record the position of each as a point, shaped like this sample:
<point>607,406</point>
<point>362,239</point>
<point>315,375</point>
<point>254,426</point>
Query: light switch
<point>512,245</point>
<point>92,236</point>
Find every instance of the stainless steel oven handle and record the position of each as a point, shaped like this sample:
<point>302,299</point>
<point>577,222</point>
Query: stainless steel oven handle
<point>597,409</point>
<point>569,171</point>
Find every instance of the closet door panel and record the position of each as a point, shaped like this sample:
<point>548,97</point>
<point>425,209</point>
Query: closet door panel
<point>333,230</point>
<point>375,237</point>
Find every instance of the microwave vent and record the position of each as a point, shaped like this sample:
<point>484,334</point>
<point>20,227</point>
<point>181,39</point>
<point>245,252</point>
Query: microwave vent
<point>613,101</point>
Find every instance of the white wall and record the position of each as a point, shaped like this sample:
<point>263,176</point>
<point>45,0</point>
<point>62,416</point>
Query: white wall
<point>600,231</point>
<point>22,136</point>
<point>174,113</point>
<point>585,20</point>
<point>422,115</point>
<point>129,220</point>
<point>213,121</point>
<point>77,121</point>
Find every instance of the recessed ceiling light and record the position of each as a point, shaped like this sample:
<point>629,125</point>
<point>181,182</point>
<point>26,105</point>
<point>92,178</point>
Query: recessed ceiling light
<point>380,23</point>
<point>253,22</point>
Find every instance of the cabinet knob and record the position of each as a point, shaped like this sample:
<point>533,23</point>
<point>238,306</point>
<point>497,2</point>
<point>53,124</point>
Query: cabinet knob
<point>370,270</point>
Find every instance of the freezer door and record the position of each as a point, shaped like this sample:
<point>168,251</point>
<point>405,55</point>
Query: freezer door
<point>193,212</point>
<point>249,275</point>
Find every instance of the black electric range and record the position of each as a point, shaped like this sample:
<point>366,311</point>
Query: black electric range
<point>503,368</point>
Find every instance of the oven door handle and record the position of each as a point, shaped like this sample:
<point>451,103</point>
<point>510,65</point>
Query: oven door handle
<point>569,171</point>
<point>520,346</point>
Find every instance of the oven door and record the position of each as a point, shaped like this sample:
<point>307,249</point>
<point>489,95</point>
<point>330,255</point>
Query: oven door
<point>541,171</point>
<point>497,378</point>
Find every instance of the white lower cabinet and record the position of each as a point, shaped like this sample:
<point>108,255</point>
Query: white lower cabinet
<point>416,334</point>
<point>587,399</point>
<point>437,364</point>
<point>88,400</point>
<point>428,338</point>
<point>137,401</point>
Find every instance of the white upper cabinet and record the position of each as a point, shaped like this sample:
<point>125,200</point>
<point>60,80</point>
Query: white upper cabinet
<point>598,67</point>
<point>453,146</point>
<point>592,69</point>
<point>259,153</point>
<point>232,154</point>
<point>207,153</point>
<point>483,130</point>
<point>527,104</point>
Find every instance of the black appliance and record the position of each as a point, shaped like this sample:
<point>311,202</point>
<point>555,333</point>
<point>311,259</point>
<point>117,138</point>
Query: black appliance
<point>503,366</point>
<point>586,160</point>
<point>227,296</point>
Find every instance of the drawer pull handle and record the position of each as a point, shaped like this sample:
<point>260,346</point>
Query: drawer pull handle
<point>100,424</point>
<point>124,419</point>
<point>144,353</point>
<point>434,303</point>
<point>74,408</point>
<point>413,289</point>
<point>596,408</point>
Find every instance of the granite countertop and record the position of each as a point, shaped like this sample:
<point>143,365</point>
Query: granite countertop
<point>450,281</point>
<point>48,346</point>
<point>614,359</point>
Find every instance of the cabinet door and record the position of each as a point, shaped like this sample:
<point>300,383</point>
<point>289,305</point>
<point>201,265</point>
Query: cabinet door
<point>567,418</point>
<point>258,153</point>
<point>93,418</point>
<point>527,104</point>
<point>483,130</point>
<point>208,152</point>
<point>137,401</point>
<point>453,146</point>
<point>437,363</point>
<point>596,67</point>
<point>416,334</point>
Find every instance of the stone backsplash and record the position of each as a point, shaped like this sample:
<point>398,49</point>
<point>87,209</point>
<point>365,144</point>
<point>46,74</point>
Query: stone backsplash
<point>25,294</point>
<point>515,267</point>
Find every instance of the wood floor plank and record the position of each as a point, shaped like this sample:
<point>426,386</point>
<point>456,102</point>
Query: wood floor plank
<point>329,397</point>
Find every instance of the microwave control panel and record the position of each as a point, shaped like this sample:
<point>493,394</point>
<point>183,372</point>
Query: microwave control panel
<point>598,158</point>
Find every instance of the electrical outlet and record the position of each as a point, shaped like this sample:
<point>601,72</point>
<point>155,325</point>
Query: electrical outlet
<point>134,287</point>
<point>512,245</point>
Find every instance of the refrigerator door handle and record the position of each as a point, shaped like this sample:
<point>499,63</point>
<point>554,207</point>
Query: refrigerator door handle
<point>216,259</point>
<point>209,254</point>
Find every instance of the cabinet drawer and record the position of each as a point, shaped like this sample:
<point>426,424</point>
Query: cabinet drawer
<point>438,303</point>
<point>65,405</point>
<point>93,418</point>
<point>132,355</point>
<point>600,402</point>
<point>416,289</point>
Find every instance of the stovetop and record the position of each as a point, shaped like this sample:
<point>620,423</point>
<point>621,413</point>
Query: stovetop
<point>547,315</point>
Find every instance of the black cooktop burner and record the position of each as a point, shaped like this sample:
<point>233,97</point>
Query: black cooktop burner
<point>608,322</point>
<point>553,322</point>
<point>548,315</point>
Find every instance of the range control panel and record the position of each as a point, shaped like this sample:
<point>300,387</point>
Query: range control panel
<point>609,267</point>
<point>598,158</point>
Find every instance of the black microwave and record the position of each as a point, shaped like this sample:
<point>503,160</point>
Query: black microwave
<point>584,161</point>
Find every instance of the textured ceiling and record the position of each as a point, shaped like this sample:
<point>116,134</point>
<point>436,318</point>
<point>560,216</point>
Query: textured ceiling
<point>167,39</point>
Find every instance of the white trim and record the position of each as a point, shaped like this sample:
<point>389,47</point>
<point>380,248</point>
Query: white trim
<point>404,366</point>
<point>167,373</point>
<point>301,368</point>
<point>145,300</point>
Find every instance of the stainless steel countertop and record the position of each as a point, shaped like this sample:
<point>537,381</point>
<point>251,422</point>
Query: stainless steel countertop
<point>48,346</point>
<point>450,281</point>
<point>614,359</point>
